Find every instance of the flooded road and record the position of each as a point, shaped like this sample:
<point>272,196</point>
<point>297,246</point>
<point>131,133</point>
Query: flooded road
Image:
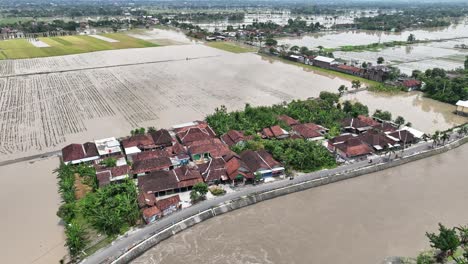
<point>361,220</point>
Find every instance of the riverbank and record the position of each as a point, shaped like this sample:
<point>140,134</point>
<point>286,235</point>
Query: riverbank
<point>135,243</point>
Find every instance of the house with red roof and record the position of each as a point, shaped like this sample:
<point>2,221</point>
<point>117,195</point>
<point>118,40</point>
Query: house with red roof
<point>136,144</point>
<point>162,138</point>
<point>80,153</point>
<point>153,164</point>
<point>261,162</point>
<point>358,124</point>
<point>288,120</point>
<point>309,131</point>
<point>110,175</point>
<point>160,183</point>
<point>202,151</point>
<point>353,147</point>
<point>274,132</point>
<point>404,137</point>
<point>233,137</point>
<point>193,131</point>
<point>161,208</point>
<point>213,171</point>
<point>411,84</point>
<point>378,140</point>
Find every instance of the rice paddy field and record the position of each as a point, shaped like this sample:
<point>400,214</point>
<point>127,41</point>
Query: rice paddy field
<point>56,46</point>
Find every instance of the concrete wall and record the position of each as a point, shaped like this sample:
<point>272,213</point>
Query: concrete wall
<point>258,197</point>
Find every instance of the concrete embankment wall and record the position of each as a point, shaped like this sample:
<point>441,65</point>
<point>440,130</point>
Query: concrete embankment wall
<point>258,197</point>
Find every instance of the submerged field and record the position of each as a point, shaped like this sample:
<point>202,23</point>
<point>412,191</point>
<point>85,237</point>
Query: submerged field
<point>23,48</point>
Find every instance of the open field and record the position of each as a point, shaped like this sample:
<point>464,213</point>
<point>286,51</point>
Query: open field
<point>22,48</point>
<point>78,100</point>
<point>231,47</point>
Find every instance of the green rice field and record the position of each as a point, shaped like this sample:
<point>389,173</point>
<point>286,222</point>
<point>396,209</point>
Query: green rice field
<point>22,48</point>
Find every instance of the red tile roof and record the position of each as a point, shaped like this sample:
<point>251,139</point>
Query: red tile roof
<point>162,138</point>
<point>359,122</point>
<point>233,137</point>
<point>260,159</point>
<point>288,120</point>
<point>404,136</point>
<point>149,165</point>
<point>144,141</point>
<point>354,147</point>
<point>103,178</point>
<point>308,130</point>
<point>164,204</point>
<point>213,146</point>
<point>273,132</point>
<point>199,131</point>
<point>340,139</point>
<point>213,170</point>
<point>73,152</point>
<point>145,199</point>
<point>349,68</point>
<point>376,138</point>
<point>145,155</point>
<point>411,83</point>
<point>150,212</point>
<point>90,149</point>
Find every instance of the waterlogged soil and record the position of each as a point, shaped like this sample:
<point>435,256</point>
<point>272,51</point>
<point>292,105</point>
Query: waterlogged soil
<point>162,36</point>
<point>31,231</point>
<point>361,220</point>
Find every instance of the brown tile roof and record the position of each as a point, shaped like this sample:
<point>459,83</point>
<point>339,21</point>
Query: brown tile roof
<point>177,149</point>
<point>404,136</point>
<point>165,203</point>
<point>411,83</point>
<point>103,178</point>
<point>354,147</point>
<point>213,170</point>
<point>385,127</point>
<point>349,68</point>
<point>340,139</point>
<point>73,152</point>
<point>235,166</point>
<point>260,159</point>
<point>308,130</point>
<point>199,131</point>
<point>273,132</point>
<point>157,181</point>
<point>144,141</point>
<point>153,164</point>
<point>90,149</point>
<point>151,211</point>
<point>288,120</point>
<point>162,137</point>
<point>376,138</point>
<point>145,155</point>
<point>359,122</point>
<point>213,146</point>
<point>145,199</point>
<point>233,137</point>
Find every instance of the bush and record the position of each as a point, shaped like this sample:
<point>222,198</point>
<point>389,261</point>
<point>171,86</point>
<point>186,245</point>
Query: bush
<point>216,191</point>
<point>109,162</point>
<point>76,240</point>
<point>66,212</point>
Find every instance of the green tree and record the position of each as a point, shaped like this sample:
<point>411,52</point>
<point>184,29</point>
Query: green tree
<point>384,115</point>
<point>466,63</point>
<point>304,50</point>
<point>425,258</point>
<point>342,89</point>
<point>445,136</point>
<point>435,138</point>
<point>446,241</point>
<point>294,48</point>
<point>151,129</point>
<point>411,38</point>
<point>399,121</point>
<point>271,42</point>
<point>463,234</point>
<point>356,84</point>
<point>198,192</point>
<point>109,162</point>
<point>332,98</point>
<point>364,65</point>
<point>380,60</point>
<point>76,240</point>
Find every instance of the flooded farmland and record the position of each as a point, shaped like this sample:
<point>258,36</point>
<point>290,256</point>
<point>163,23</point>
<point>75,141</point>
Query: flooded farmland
<point>361,220</point>
<point>47,103</point>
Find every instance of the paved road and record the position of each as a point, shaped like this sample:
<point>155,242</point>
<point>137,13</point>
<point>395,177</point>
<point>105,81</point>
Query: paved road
<point>128,241</point>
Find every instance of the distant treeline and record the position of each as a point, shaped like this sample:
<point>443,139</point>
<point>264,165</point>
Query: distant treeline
<point>202,16</point>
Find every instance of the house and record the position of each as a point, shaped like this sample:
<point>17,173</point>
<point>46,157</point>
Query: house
<point>261,162</point>
<point>145,166</point>
<point>404,137</point>
<point>136,144</point>
<point>378,140</point>
<point>116,174</point>
<point>108,147</point>
<point>146,200</point>
<point>348,69</point>
<point>233,137</point>
<point>274,132</point>
<point>162,138</point>
<point>386,127</point>
<point>411,84</point>
<point>287,120</point>
<point>352,147</point>
<point>309,131</point>
<point>237,170</point>
<point>159,153</point>
<point>213,171</point>
<point>193,131</point>
<point>416,133</point>
<point>161,208</point>
<point>379,73</point>
<point>161,183</point>
<point>78,153</point>
<point>323,62</point>
<point>462,107</point>
<point>331,143</point>
<point>169,205</point>
<point>296,58</point>
<point>151,214</point>
<point>358,124</point>
<point>202,151</point>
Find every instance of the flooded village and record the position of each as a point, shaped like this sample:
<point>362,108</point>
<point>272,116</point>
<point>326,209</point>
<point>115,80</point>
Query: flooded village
<point>170,125</point>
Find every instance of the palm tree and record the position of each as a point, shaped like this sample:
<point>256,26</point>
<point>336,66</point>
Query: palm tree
<point>356,84</point>
<point>435,137</point>
<point>445,136</point>
<point>463,131</point>
<point>342,89</point>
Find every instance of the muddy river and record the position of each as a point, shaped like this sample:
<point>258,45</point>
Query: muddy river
<point>362,220</point>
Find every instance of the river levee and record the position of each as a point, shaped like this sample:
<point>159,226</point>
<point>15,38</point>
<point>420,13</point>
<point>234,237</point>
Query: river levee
<point>361,220</point>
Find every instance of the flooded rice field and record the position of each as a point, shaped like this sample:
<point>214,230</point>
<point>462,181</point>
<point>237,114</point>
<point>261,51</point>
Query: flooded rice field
<point>364,37</point>
<point>31,231</point>
<point>425,114</point>
<point>89,96</point>
<point>361,220</point>
<point>162,36</point>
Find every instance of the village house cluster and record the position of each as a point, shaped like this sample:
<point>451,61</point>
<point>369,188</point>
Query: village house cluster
<point>165,163</point>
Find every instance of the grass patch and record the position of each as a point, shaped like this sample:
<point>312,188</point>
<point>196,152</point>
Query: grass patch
<point>230,47</point>
<point>22,49</point>
<point>385,88</point>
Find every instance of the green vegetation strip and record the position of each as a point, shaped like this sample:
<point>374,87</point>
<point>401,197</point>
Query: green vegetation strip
<point>22,49</point>
<point>230,47</point>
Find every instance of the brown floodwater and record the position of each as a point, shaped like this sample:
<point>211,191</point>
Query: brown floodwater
<point>361,220</point>
<point>424,113</point>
